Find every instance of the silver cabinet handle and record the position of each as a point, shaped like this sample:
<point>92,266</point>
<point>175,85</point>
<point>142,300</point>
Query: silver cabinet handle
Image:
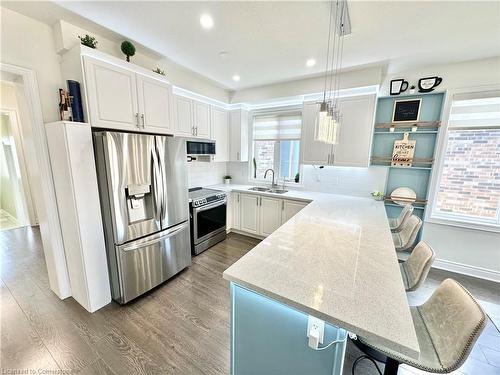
<point>137,119</point>
<point>333,158</point>
<point>257,201</point>
<point>237,156</point>
<point>282,205</point>
<point>192,130</point>
<point>238,196</point>
<point>196,130</point>
<point>143,121</point>
<point>328,162</point>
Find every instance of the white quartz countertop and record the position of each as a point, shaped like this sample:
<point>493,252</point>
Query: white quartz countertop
<point>334,260</point>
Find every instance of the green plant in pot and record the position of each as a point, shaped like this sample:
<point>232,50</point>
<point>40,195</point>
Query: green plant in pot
<point>88,41</point>
<point>128,49</point>
<point>227,179</point>
<point>378,195</point>
<point>159,71</point>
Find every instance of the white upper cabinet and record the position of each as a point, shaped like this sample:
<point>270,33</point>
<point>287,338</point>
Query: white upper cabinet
<point>220,133</point>
<point>183,116</point>
<point>353,149</point>
<point>201,119</point>
<point>119,98</point>
<point>313,152</point>
<point>111,95</point>
<point>238,135</point>
<point>155,103</point>
<point>270,215</point>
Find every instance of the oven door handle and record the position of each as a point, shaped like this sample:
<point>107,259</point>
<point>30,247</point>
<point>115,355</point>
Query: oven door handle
<point>210,206</point>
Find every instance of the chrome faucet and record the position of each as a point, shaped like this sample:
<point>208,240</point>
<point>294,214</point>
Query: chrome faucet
<point>274,185</point>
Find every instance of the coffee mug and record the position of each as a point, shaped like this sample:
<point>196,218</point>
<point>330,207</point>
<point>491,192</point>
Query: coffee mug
<point>428,84</point>
<point>398,86</point>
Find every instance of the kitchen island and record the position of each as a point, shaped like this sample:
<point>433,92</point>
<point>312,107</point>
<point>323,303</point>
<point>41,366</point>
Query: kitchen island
<point>334,260</point>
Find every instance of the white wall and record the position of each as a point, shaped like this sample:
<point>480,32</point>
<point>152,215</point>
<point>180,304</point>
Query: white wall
<point>350,79</point>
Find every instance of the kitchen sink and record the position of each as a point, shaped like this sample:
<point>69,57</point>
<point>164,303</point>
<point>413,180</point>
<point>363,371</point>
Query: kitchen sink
<point>267,190</point>
<point>255,188</point>
<point>278,191</point>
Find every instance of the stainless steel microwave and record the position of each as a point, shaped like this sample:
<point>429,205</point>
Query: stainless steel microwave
<point>200,147</point>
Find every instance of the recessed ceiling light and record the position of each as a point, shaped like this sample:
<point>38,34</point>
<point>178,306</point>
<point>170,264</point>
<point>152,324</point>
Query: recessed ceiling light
<point>311,62</point>
<point>236,78</point>
<point>206,21</point>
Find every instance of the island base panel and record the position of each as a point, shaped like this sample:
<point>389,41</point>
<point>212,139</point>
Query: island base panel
<point>268,337</point>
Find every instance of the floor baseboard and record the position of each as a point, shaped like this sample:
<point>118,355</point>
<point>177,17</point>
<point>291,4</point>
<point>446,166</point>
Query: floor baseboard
<point>479,272</point>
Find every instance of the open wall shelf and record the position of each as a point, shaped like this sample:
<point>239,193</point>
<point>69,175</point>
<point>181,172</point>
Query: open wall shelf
<point>416,177</point>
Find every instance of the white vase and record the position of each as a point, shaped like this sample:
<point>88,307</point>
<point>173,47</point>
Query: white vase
<point>227,180</point>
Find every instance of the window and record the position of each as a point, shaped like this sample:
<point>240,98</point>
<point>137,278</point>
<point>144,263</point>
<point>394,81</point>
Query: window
<point>469,183</point>
<point>276,144</point>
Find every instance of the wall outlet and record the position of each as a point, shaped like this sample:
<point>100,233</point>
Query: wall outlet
<point>315,325</point>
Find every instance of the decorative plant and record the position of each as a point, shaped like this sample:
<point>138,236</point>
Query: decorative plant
<point>128,49</point>
<point>227,177</point>
<point>297,178</point>
<point>159,71</point>
<point>254,168</point>
<point>88,41</point>
<point>378,195</point>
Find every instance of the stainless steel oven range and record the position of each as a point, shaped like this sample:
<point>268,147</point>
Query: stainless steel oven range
<point>208,218</point>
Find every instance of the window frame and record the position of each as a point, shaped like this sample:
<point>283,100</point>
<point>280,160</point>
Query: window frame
<point>432,215</point>
<point>251,146</point>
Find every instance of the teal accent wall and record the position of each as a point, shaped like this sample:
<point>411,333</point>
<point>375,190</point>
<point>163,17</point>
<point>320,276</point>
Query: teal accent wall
<point>268,337</point>
<point>418,176</point>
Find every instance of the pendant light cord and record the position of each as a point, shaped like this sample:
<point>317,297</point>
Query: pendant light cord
<point>334,43</point>
<point>328,50</point>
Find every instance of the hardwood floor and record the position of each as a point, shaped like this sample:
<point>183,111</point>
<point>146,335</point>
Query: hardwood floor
<point>181,327</point>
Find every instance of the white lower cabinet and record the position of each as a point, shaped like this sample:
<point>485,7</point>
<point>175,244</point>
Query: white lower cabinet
<point>261,215</point>
<point>270,215</point>
<point>249,213</point>
<point>290,208</point>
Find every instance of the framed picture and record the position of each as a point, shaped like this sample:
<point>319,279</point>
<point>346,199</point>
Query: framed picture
<point>407,110</point>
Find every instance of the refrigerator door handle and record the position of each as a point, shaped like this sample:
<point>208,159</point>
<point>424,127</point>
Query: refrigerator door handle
<point>159,237</point>
<point>157,185</point>
<point>162,175</point>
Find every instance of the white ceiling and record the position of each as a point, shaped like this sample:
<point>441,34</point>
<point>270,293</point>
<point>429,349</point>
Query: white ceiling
<point>270,41</point>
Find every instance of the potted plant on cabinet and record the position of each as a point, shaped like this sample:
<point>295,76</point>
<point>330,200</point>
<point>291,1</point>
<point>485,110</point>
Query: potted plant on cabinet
<point>227,179</point>
<point>378,195</point>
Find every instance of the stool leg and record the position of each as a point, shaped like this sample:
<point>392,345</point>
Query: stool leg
<point>391,367</point>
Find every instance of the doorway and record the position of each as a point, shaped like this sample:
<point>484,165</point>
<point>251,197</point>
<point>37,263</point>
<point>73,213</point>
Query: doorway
<point>15,197</point>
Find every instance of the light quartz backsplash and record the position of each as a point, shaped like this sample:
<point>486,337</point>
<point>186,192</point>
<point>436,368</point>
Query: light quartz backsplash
<point>205,173</point>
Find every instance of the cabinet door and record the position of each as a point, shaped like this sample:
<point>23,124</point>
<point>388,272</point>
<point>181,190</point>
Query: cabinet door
<point>353,149</point>
<point>249,213</point>
<point>220,134</point>
<point>155,104</point>
<point>313,152</point>
<point>238,135</point>
<point>270,215</point>
<point>112,95</point>
<point>290,208</point>
<point>236,210</point>
<point>201,118</point>
<point>183,116</point>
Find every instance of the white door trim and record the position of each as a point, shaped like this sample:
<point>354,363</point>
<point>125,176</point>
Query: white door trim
<point>47,209</point>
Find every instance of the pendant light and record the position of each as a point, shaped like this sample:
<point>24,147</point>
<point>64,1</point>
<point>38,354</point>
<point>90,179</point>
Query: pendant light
<point>328,120</point>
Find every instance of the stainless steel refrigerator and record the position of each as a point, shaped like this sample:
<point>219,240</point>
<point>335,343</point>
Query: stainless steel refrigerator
<point>144,201</point>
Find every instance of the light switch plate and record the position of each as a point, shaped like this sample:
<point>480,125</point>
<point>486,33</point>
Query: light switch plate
<point>311,322</point>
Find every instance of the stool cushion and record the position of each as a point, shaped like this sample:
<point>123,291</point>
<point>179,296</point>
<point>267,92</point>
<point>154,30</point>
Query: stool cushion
<point>416,268</point>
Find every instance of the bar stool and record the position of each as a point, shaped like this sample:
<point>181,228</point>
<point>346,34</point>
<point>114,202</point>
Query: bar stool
<point>447,326</point>
<point>396,223</point>
<point>405,238</point>
<point>416,268</point>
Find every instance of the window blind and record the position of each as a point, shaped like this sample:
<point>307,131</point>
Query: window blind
<point>271,127</point>
<point>476,110</point>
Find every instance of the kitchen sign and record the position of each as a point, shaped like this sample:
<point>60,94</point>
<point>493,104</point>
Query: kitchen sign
<point>402,152</point>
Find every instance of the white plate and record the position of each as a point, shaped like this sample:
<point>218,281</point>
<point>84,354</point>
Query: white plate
<point>404,192</point>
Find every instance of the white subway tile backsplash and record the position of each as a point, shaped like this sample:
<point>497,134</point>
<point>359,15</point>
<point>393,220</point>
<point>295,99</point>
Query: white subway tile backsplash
<point>205,173</point>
